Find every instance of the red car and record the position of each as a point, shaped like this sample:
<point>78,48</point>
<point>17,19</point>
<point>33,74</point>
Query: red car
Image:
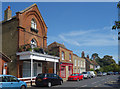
<point>76,76</point>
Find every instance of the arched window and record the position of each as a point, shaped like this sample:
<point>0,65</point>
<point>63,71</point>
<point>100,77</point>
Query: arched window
<point>33,24</point>
<point>33,41</point>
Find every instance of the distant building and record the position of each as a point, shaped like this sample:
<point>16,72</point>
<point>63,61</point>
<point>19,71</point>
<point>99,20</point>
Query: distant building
<point>66,59</point>
<point>89,64</point>
<point>78,64</point>
<point>96,65</point>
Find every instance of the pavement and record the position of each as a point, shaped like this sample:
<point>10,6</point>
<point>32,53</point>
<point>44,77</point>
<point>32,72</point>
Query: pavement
<point>107,82</point>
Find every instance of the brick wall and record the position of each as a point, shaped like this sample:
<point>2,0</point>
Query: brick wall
<point>10,43</point>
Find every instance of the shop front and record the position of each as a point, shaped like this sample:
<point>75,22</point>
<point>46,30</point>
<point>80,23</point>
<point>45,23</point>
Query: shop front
<point>34,63</point>
<point>66,69</point>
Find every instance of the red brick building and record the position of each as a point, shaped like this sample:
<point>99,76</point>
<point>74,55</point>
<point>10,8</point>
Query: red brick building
<point>66,59</point>
<point>24,40</point>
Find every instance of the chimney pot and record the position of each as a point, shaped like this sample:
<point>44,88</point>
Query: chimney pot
<point>8,7</point>
<point>7,13</point>
<point>83,54</point>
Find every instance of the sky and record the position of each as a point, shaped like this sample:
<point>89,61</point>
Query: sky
<point>80,26</point>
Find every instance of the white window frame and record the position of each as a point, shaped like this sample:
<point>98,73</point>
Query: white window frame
<point>63,55</point>
<point>34,42</point>
<point>70,57</point>
<point>78,62</point>
<point>75,62</point>
<point>33,24</point>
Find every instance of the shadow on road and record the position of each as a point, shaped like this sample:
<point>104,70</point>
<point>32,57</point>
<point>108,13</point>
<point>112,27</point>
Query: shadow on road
<point>115,84</point>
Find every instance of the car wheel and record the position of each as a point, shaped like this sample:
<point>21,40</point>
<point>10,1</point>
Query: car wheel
<point>23,87</point>
<point>49,84</point>
<point>83,78</point>
<point>78,80</point>
<point>61,82</point>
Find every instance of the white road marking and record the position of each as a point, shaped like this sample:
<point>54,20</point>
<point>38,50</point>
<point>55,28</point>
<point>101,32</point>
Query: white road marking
<point>84,86</point>
<point>94,82</point>
<point>96,86</point>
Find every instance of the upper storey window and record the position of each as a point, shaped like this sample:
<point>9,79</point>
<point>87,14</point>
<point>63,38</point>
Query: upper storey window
<point>33,24</point>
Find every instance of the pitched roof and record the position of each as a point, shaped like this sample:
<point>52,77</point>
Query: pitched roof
<point>95,62</point>
<point>26,10</point>
<point>59,45</point>
<point>89,60</point>
<point>5,57</point>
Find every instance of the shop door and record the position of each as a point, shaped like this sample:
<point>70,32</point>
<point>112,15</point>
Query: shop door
<point>39,68</point>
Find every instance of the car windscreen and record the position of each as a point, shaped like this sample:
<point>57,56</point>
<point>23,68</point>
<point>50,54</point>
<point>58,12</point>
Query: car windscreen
<point>41,75</point>
<point>74,74</point>
<point>84,73</point>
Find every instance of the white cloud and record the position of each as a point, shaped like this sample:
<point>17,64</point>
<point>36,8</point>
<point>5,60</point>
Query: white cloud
<point>97,37</point>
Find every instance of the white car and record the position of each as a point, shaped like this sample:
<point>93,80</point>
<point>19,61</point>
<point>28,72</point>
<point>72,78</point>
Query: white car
<point>92,74</point>
<point>104,73</point>
<point>86,74</point>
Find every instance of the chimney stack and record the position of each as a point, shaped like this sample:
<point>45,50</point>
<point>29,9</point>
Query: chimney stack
<point>7,14</point>
<point>83,54</point>
<point>87,56</point>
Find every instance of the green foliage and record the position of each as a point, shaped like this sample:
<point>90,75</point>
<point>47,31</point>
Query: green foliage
<point>112,67</point>
<point>107,63</point>
<point>91,69</point>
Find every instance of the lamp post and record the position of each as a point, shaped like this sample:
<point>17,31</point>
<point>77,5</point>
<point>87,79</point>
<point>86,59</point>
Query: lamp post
<point>32,62</point>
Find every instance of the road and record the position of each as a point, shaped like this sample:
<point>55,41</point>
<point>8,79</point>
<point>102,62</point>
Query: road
<point>103,81</point>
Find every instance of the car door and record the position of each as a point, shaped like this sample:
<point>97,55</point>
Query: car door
<point>80,77</point>
<point>6,84</point>
<point>15,84</point>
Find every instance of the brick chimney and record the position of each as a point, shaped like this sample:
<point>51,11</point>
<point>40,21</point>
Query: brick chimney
<point>87,56</point>
<point>7,14</point>
<point>83,54</point>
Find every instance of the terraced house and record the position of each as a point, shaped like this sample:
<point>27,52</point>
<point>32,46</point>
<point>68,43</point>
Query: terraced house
<point>24,40</point>
<point>78,64</point>
<point>66,59</point>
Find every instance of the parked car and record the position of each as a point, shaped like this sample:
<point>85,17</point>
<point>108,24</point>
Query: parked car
<point>11,82</point>
<point>115,73</point>
<point>86,74</point>
<point>99,74</point>
<point>104,73</point>
<point>110,73</point>
<point>48,79</point>
<point>76,76</point>
<point>92,74</point>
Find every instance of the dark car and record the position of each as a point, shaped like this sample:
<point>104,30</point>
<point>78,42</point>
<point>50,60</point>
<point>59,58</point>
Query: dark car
<point>48,79</point>
<point>99,74</point>
<point>110,73</point>
<point>115,73</point>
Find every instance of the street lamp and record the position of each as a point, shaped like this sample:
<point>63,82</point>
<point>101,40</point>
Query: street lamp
<point>32,46</point>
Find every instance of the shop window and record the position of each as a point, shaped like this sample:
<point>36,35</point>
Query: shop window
<point>62,71</point>
<point>63,56</point>
<point>70,70</point>
<point>27,69</point>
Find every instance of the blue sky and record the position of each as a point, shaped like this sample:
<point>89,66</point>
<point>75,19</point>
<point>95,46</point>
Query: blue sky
<point>81,26</point>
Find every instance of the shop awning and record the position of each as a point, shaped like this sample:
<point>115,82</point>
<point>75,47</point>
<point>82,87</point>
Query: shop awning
<point>27,55</point>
